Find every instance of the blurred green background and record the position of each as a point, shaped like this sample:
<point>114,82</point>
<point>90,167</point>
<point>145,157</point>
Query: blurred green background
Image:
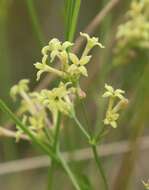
<point>25,27</point>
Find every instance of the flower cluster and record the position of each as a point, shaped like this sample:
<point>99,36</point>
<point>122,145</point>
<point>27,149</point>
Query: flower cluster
<point>33,114</point>
<point>71,67</point>
<point>112,113</point>
<point>134,33</point>
<point>39,110</point>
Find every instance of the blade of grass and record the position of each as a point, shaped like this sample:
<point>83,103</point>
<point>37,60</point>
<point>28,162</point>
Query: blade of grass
<point>71,16</point>
<point>57,130</point>
<point>75,14</point>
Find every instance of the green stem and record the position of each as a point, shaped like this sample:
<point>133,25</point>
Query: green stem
<point>61,159</point>
<point>86,134</point>
<point>101,170</point>
<point>101,133</point>
<point>57,130</point>
<point>96,157</point>
<point>69,172</point>
<point>50,175</point>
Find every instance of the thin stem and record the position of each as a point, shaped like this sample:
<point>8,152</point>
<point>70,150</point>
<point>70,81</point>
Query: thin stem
<point>50,175</point>
<point>85,115</point>
<point>55,148</point>
<point>57,130</point>
<point>69,172</point>
<point>61,159</point>
<point>101,170</point>
<point>82,128</point>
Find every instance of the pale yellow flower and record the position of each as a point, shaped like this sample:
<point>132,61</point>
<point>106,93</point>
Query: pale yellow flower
<point>113,93</point>
<point>111,118</point>
<point>114,106</point>
<point>92,41</point>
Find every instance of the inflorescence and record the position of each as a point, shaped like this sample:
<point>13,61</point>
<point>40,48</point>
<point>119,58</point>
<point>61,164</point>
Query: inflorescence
<point>39,110</point>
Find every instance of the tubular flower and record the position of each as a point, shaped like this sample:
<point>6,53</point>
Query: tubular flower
<point>91,42</point>
<point>112,114</point>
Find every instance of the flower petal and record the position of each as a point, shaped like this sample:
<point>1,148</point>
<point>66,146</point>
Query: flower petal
<point>84,60</point>
<point>83,71</point>
<point>73,58</point>
<point>107,94</point>
<point>109,88</point>
<point>66,45</point>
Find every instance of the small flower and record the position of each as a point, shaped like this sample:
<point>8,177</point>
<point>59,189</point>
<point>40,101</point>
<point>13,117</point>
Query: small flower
<point>112,114</point>
<point>57,99</point>
<point>54,45</point>
<point>91,41</point>
<point>113,93</point>
<point>77,67</point>
<point>75,60</point>
<point>22,86</point>
<point>111,118</point>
